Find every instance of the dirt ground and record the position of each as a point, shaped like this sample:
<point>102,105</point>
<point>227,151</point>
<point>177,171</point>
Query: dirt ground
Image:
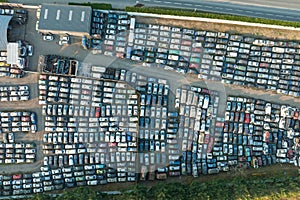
<point>31,78</point>
<point>246,30</point>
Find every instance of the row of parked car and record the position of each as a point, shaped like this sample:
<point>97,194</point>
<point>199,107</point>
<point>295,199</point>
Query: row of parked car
<point>48,179</point>
<point>18,121</point>
<point>111,154</point>
<point>6,70</point>
<point>116,31</point>
<point>232,58</point>
<point>53,89</point>
<point>191,137</point>
<point>14,93</point>
<point>168,47</point>
<point>12,152</point>
<point>99,125</point>
<point>98,19</point>
<point>118,142</point>
<point>153,123</point>
<point>257,133</point>
<point>72,149</point>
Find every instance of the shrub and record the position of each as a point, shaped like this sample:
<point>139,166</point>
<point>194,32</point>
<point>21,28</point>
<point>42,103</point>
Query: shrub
<point>101,6</point>
<point>189,13</point>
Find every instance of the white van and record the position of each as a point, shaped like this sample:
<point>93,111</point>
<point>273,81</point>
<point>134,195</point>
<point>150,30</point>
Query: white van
<point>98,69</point>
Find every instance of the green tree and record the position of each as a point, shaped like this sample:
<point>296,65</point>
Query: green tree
<point>81,193</point>
<point>41,197</point>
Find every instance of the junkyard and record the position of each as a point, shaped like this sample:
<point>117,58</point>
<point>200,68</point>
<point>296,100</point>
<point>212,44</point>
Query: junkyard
<point>147,102</point>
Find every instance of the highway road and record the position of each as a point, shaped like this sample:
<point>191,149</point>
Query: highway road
<point>272,9</point>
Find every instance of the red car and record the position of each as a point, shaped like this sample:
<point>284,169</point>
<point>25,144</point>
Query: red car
<point>25,119</point>
<point>186,42</point>
<point>194,65</point>
<point>296,115</point>
<point>120,55</point>
<point>196,50</point>
<point>109,47</point>
<point>264,65</point>
<point>219,124</point>
<point>17,176</point>
<point>43,77</point>
<point>86,92</point>
<point>247,118</point>
<point>97,113</point>
<point>112,144</point>
<point>290,154</point>
<point>206,91</point>
<point>206,138</point>
<point>226,127</point>
<point>267,136</point>
<point>210,145</point>
<point>15,71</point>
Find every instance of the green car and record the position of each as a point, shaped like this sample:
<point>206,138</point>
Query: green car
<point>195,60</point>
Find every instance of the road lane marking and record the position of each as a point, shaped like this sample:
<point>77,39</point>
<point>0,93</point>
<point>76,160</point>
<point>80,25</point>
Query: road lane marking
<point>168,2</point>
<point>188,4</point>
<point>157,1</point>
<point>177,3</point>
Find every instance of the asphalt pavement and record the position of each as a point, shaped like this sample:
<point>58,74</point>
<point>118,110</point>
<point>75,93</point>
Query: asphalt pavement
<point>280,10</point>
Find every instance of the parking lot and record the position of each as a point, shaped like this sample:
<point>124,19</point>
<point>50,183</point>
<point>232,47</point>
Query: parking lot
<point>219,56</point>
<point>120,157</point>
<point>131,121</point>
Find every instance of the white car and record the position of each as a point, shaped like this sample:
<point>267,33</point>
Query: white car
<point>65,38</point>
<point>48,37</point>
<point>63,42</point>
<point>37,190</point>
